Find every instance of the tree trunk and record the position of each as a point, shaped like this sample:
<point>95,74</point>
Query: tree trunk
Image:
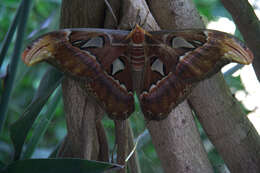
<point>81,112</point>
<point>176,138</point>
<point>226,125</point>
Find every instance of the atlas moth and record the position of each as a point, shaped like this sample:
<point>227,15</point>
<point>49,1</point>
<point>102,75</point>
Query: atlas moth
<point>167,64</point>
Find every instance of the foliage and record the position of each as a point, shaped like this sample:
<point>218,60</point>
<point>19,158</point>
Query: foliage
<point>43,17</point>
<point>58,165</point>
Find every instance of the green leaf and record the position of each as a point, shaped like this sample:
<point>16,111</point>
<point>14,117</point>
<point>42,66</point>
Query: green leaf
<point>20,129</point>
<point>54,153</point>
<point>9,34</point>
<point>41,127</point>
<point>6,95</point>
<point>2,165</point>
<point>234,83</point>
<point>59,165</point>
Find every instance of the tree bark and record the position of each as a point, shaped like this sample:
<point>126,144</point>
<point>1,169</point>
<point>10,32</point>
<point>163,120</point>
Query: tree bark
<point>176,138</point>
<point>177,142</point>
<point>249,26</point>
<point>248,149</point>
<point>133,164</point>
<point>226,125</point>
<point>222,118</point>
<point>81,112</point>
<point>175,14</point>
<point>121,133</point>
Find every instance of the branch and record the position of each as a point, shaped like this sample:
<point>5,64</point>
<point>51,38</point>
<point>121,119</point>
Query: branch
<point>226,125</point>
<point>210,98</point>
<point>81,112</point>
<point>112,12</point>
<point>249,26</point>
<point>133,164</point>
<point>103,142</point>
<point>121,133</point>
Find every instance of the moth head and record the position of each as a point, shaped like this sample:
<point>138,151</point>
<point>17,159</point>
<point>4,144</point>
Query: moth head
<point>137,34</point>
<point>43,48</point>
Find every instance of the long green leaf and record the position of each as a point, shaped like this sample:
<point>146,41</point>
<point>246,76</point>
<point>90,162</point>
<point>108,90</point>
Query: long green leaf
<point>44,27</point>
<point>42,126</point>
<point>10,33</point>
<point>21,127</point>
<point>59,165</point>
<point>2,165</point>
<point>14,61</point>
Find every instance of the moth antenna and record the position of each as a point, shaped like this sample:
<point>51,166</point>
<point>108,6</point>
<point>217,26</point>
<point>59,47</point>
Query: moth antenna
<point>150,26</point>
<point>131,25</point>
<point>111,11</point>
<point>139,20</point>
<point>138,17</point>
<point>145,19</point>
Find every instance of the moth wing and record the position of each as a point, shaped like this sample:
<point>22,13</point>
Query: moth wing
<point>97,58</point>
<point>180,59</point>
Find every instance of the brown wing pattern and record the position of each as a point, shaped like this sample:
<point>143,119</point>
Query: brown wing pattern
<point>88,55</point>
<point>186,57</point>
<point>173,63</point>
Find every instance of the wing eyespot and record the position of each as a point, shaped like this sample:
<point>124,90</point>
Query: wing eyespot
<point>179,42</point>
<point>95,42</point>
<point>158,66</point>
<point>117,66</point>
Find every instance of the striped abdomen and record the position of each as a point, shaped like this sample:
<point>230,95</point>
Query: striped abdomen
<point>137,57</point>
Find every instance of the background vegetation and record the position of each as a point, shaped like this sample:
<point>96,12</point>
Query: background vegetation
<point>43,17</point>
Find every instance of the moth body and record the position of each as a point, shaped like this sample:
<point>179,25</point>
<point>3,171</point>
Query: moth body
<point>137,57</point>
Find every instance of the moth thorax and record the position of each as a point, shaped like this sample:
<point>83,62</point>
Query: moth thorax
<point>138,37</point>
